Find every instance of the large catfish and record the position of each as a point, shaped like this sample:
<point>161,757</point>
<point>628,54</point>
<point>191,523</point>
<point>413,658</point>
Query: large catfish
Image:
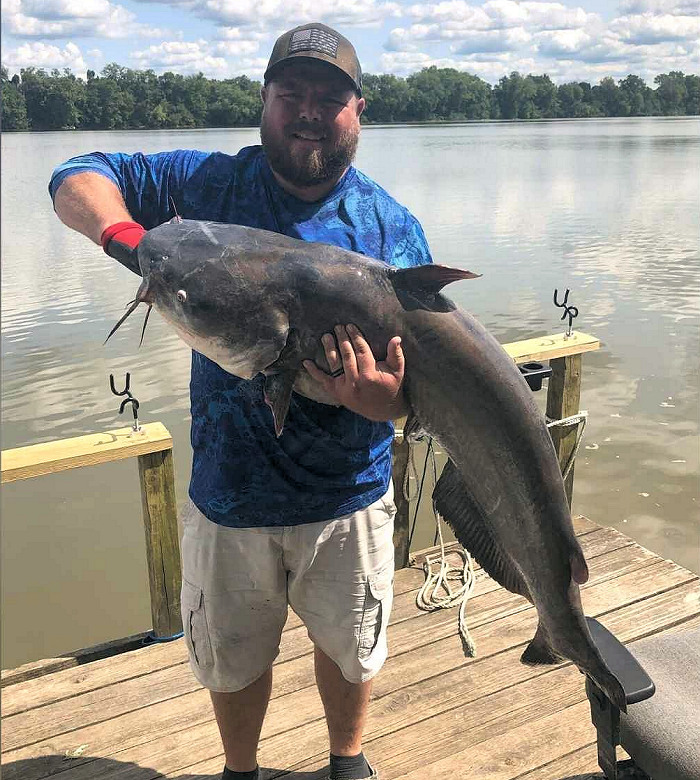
<point>255,301</point>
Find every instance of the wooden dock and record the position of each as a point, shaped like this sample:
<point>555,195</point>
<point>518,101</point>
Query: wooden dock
<point>435,714</point>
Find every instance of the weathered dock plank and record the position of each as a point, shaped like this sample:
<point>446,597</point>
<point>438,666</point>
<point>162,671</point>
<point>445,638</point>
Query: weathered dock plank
<point>492,603</point>
<point>72,682</point>
<point>142,715</point>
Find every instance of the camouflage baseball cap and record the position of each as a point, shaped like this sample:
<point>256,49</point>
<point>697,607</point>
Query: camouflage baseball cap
<point>319,42</point>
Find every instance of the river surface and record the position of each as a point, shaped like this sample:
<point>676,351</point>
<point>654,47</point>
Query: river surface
<point>608,208</point>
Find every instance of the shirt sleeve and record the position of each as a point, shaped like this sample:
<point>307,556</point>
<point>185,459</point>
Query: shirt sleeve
<point>147,182</point>
<point>412,248</point>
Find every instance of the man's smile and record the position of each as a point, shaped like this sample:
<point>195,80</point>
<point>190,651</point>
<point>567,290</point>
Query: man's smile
<point>306,135</point>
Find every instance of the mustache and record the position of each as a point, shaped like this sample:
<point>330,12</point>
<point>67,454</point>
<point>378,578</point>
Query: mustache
<point>303,126</point>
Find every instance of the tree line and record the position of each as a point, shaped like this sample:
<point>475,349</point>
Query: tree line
<point>121,98</point>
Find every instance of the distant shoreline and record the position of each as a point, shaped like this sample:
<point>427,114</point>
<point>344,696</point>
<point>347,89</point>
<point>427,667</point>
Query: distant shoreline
<point>124,99</point>
<point>417,123</point>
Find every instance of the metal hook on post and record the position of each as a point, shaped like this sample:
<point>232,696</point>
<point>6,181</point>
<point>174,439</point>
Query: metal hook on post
<point>130,400</point>
<point>569,311</point>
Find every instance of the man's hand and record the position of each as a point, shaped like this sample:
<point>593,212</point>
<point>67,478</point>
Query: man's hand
<point>357,380</point>
<point>120,242</point>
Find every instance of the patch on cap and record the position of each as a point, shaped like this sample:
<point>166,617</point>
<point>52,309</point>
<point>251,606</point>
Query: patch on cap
<point>314,39</point>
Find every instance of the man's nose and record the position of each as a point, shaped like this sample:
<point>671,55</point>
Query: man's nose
<point>309,108</point>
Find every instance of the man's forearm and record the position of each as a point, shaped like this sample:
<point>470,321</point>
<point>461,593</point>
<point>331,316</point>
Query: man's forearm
<point>89,203</point>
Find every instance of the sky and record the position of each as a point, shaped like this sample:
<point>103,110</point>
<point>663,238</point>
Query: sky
<point>569,40</point>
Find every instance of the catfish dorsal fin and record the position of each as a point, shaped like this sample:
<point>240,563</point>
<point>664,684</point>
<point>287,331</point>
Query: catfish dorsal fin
<point>428,278</point>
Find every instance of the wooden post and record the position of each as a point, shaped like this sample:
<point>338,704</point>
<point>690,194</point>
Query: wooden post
<point>563,398</point>
<point>162,544</point>
<point>399,464</point>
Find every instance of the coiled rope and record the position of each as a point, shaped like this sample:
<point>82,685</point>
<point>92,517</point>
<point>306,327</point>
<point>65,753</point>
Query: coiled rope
<point>447,585</point>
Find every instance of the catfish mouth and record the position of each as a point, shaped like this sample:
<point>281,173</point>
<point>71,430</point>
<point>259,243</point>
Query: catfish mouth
<point>143,295</point>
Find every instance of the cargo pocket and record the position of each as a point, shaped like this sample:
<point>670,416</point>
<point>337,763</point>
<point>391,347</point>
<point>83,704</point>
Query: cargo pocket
<point>194,618</point>
<point>375,613</point>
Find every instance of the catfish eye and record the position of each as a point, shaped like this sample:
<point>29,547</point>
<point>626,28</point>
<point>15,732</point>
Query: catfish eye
<point>181,296</point>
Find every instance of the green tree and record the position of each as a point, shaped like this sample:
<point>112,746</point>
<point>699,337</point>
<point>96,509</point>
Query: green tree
<point>671,92</point>
<point>387,98</point>
<point>54,102</point>
<point>515,96</point>
<point>692,100</point>
<point>634,94</point>
<point>107,105</point>
<point>570,100</point>
<point>14,108</point>
<point>608,98</point>
<point>545,98</point>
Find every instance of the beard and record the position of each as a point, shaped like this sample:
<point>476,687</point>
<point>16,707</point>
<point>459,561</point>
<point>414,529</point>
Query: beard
<point>307,167</point>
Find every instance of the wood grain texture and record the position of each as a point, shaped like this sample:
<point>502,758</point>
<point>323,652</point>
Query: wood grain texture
<point>434,712</point>
<point>551,347</point>
<point>90,450</point>
<point>563,399</point>
<point>157,476</point>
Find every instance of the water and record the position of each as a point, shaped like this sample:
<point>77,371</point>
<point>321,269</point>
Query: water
<point>608,208</point>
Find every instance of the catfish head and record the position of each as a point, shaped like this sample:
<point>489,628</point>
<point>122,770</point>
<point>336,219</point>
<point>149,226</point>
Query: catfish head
<point>218,297</point>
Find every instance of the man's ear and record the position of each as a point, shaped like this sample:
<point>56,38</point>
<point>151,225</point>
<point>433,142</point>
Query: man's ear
<point>361,103</point>
<point>263,93</point>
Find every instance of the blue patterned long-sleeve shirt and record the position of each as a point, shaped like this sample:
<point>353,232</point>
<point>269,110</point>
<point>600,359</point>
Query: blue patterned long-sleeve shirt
<point>328,461</point>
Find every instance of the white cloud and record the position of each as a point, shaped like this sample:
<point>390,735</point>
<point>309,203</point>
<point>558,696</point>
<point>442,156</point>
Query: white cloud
<point>216,59</point>
<point>65,9</point>
<point>45,55</point>
<point>675,7</point>
<point>650,28</point>
<point>559,43</point>
<point>493,41</point>
<point>51,19</point>
<point>282,14</point>
<point>654,36</point>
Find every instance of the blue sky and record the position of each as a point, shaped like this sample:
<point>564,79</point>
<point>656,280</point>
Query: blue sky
<point>568,40</point>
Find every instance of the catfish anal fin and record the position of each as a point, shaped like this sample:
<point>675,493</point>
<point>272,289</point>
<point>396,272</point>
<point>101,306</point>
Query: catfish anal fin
<point>278,392</point>
<point>453,502</point>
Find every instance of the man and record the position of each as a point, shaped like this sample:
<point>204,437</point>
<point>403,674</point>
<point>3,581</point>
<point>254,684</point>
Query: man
<point>305,519</point>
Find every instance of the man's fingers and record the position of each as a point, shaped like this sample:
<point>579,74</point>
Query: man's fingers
<point>347,352</point>
<point>363,354</point>
<point>332,354</point>
<point>394,356</point>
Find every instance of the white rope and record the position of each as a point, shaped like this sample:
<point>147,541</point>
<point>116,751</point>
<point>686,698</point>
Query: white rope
<point>445,585</point>
<point>439,591</point>
<point>578,419</point>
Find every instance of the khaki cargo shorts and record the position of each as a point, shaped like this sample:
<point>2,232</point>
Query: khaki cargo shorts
<point>336,575</point>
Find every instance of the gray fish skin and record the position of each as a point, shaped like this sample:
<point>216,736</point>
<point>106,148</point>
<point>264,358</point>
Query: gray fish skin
<point>255,301</point>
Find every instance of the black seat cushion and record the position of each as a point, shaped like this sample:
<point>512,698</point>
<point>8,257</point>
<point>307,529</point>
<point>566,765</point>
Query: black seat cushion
<point>662,734</point>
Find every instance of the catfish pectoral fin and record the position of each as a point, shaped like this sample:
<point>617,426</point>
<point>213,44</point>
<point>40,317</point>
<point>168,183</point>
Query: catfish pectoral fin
<point>278,392</point>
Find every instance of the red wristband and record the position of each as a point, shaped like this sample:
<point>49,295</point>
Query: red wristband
<point>126,233</point>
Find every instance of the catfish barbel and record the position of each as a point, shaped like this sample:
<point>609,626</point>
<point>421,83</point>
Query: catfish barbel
<point>255,301</point>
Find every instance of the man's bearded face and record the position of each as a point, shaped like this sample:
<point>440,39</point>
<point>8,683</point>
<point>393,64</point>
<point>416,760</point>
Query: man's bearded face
<point>310,125</point>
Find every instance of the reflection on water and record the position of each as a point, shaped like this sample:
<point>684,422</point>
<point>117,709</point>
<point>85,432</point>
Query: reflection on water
<point>606,208</point>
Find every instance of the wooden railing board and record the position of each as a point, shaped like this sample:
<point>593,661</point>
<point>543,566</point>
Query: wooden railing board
<point>89,450</point>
